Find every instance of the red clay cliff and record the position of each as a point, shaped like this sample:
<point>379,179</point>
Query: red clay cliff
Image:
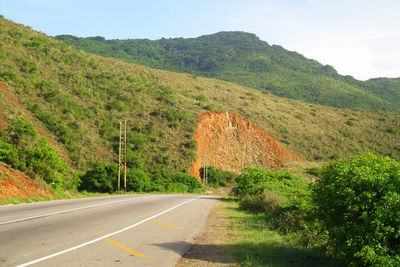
<point>230,142</point>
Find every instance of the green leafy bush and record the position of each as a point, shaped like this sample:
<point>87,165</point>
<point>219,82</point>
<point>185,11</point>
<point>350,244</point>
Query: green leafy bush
<point>358,202</point>
<point>218,177</point>
<point>164,181</point>
<point>177,188</point>
<point>255,181</point>
<point>100,178</point>
<point>267,202</point>
<point>5,150</point>
<point>283,196</point>
<point>137,181</point>
<point>23,149</point>
<point>190,182</point>
<point>201,98</point>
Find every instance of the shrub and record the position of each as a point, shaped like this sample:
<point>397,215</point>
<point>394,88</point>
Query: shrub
<point>137,180</point>
<point>218,177</point>
<point>267,202</point>
<point>255,181</point>
<point>251,181</point>
<point>44,161</point>
<point>251,203</point>
<point>156,187</point>
<point>5,150</point>
<point>163,181</point>
<point>100,178</point>
<point>271,202</point>
<point>201,98</point>
<point>190,182</point>
<point>177,187</point>
<point>283,196</point>
<point>357,201</point>
<point>23,149</point>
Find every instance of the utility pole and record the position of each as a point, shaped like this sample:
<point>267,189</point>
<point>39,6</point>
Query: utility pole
<point>125,159</point>
<point>119,156</point>
<point>204,170</point>
<point>206,163</point>
<point>122,135</point>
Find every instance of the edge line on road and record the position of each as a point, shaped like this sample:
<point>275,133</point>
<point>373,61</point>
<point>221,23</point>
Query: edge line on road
<point>104,236</point>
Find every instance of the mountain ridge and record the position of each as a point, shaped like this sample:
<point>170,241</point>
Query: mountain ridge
<point>243,58</point>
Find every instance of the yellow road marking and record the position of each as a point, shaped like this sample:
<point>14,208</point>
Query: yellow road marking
<point>125,248</point>
<point>166,225</point>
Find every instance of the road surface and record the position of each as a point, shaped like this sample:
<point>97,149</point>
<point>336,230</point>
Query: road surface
<point>134,230</point>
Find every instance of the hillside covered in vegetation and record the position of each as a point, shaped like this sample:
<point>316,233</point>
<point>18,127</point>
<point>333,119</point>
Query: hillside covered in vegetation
<point>243,58</point>
<point>74,100</point>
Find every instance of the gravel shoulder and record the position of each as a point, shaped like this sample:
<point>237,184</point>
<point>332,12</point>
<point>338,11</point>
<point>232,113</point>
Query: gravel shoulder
<point>211,247</point>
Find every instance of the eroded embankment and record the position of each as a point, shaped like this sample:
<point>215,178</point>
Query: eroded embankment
<point>14,184</point>
<point>230,142</point>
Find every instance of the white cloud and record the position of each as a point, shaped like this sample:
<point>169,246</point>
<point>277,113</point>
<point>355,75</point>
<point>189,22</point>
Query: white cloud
<point>358,37</point>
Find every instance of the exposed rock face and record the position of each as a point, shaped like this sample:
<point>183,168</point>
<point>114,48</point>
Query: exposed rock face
<point>230,142</point>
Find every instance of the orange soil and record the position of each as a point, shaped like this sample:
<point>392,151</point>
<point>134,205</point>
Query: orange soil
<point>14,184</point>
<point>230,142</point>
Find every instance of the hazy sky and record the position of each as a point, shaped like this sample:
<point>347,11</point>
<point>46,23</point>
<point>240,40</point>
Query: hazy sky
<point>358,37</point>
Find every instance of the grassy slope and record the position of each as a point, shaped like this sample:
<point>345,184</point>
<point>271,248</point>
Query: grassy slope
<point>253,243</point>
<point>79,97</point>
<point>244,59</point>
<point>386,88</point>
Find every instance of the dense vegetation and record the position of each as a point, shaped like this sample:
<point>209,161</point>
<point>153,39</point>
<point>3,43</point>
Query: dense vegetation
<point>74,100</point>
<point>244,59</point>
<point>281,195</point>
<point>77,101</point>
<point>352,212</point>
<point>215,177</point>
<point>358,202</point>
<point>103,178</point>
<point>23,149</point>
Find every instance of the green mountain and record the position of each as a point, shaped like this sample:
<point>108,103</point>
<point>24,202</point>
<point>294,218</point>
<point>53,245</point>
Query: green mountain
<point>75,101</point>
<point>243,58</point>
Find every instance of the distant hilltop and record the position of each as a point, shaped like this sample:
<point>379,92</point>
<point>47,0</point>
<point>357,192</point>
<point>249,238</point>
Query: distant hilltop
<point>243,58</point>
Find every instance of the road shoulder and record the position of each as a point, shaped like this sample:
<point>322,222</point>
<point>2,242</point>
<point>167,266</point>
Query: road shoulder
<point>211,247</point>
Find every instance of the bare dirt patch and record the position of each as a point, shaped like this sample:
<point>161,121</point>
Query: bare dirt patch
<point>230,142</point>
<point>211,247</point>
<point>14,184</point>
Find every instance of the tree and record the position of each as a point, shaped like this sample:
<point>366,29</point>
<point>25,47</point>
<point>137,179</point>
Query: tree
<point>358,202</point>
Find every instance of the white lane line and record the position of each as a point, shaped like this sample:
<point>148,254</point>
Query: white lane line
<point>104,236</point>
<point>70,210</point>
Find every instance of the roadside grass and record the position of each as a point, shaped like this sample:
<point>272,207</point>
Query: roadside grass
<point>58,196</point>
<point>255,244</point>
<point>25,200</point>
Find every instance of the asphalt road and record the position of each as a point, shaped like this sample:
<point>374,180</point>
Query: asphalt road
<point>134,230</point>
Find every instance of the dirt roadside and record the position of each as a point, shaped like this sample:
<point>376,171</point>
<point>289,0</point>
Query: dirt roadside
<point>210,248</point>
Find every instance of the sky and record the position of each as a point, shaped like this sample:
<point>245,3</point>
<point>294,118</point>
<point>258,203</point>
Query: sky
<point>357,37</point>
